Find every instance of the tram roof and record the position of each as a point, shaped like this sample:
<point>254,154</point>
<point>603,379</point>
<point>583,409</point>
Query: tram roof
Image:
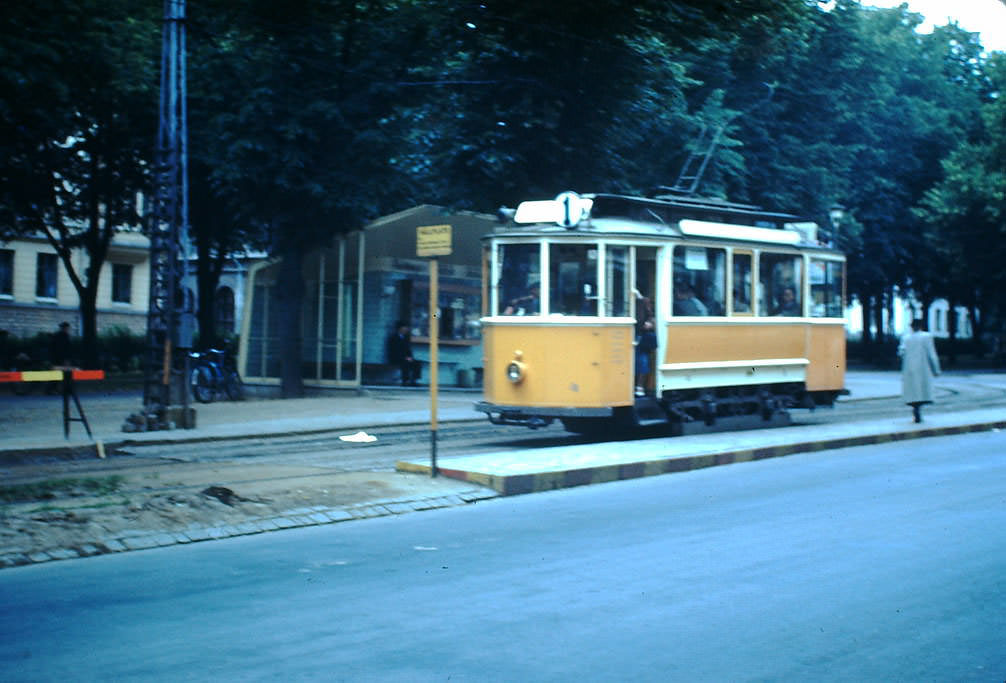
<point>675,215</point>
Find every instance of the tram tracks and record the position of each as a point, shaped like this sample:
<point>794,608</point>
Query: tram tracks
<point>326,453</point>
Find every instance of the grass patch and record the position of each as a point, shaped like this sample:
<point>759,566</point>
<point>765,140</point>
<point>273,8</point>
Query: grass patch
<point>51,489</point>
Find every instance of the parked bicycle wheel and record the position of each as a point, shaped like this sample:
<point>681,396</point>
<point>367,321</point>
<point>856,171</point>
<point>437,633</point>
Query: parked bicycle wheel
<point>233,386</point>
<point>201,382</point>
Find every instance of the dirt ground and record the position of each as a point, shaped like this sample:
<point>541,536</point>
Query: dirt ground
<point>180,497</point>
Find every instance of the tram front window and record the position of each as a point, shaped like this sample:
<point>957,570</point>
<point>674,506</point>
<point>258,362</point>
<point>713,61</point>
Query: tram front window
<point>826,289</point>
<point>573,279</point>
<point>518,290</point>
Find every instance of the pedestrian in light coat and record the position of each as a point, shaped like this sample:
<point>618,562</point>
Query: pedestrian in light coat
<point>919,364</point>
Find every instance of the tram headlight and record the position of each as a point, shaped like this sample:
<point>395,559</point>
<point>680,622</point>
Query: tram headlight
<point>515,371</point>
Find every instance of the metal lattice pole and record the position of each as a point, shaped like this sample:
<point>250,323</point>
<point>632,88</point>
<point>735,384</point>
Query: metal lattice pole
<point>169,225</point>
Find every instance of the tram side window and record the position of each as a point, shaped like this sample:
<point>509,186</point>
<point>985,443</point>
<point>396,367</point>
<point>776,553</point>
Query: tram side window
<point>572,272</point>
<point>518,291</point>
<point>616,276</point>
<point>826,289</point>
<point>780,282</point>
<point>742,283</point>
<point>700,277</point>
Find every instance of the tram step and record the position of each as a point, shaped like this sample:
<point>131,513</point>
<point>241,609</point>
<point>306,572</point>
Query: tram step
<point>649,411</point>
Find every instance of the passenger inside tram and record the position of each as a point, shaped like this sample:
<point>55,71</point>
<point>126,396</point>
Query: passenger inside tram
<point>787,304</point>
<point>685,301</point>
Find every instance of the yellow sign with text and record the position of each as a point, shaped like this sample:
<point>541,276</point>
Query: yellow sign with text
<point>433,240</point>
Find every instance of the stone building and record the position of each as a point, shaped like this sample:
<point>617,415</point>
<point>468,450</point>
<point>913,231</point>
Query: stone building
<point>36,292</point>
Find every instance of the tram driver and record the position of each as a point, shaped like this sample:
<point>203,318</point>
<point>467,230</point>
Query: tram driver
<point>529,304</point>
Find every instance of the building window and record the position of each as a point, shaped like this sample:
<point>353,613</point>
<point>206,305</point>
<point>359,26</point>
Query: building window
<point>6,272</point>
<point>460,306</point>
<point>225,310</point>
<point>45,276</point>
<point>122,283</point>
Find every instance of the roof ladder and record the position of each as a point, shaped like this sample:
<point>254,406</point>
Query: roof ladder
<point>699,155</point>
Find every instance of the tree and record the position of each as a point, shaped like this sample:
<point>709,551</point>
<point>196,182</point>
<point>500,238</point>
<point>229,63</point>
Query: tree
<point>76,119</point>
<point>965,212</point>
<point>300,148</point>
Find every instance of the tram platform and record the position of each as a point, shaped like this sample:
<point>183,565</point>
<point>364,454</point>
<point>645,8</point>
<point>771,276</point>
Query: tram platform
<point>567,466</point>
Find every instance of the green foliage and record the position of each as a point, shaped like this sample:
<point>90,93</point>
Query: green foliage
<point>76,128</point>
<point>308,118</point>
<point>118,350</point>
<point>121,350</point>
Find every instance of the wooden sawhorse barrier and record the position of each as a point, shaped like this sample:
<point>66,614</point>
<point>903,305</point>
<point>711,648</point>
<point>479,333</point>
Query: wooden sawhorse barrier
<point>67,376</point>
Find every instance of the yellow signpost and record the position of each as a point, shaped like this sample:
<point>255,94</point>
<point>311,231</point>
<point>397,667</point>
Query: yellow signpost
<point>433,241</point>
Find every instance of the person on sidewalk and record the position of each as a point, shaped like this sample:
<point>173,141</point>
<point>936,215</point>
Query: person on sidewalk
<point>919,364</point>
<point>60,349</point>
<point>400,354</point>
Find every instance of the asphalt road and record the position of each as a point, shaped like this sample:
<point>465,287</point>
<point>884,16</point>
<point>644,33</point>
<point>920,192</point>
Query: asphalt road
<point>874,563</point>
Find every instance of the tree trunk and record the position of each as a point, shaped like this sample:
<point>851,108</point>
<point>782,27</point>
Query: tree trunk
<point>867,305</point>
<point>89,328</point>
<point>926,302</point>
<point>977,329</point>
<point>952,329</point>
<point>878,318</point>
<point>208,270</point>
<point>290,289</point>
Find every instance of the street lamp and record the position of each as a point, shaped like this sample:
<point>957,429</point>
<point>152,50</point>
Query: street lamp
<point>836,213</point>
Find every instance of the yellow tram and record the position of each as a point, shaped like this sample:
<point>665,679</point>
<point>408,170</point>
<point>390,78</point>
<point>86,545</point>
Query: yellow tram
<point>608,311</point>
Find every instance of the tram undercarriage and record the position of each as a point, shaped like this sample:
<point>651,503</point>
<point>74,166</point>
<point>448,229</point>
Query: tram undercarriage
<point>693,411</point>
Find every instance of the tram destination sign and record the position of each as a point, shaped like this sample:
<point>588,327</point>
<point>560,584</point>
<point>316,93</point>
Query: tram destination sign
<point>433,240</point>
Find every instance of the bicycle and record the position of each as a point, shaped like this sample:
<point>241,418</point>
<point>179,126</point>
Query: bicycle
<point>212,376</point>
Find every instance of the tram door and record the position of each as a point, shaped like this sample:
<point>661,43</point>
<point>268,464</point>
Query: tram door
<point>646,282</point>
<point>646,301</point>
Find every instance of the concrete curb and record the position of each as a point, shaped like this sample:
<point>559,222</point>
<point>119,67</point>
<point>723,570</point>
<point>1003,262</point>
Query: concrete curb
<point>516,484</point>
<point>304,517</point>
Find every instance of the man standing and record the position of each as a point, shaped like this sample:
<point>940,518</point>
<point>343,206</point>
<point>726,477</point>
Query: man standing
<point>59,352</point>
<point>919,364</point>
<point>400,354</point>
